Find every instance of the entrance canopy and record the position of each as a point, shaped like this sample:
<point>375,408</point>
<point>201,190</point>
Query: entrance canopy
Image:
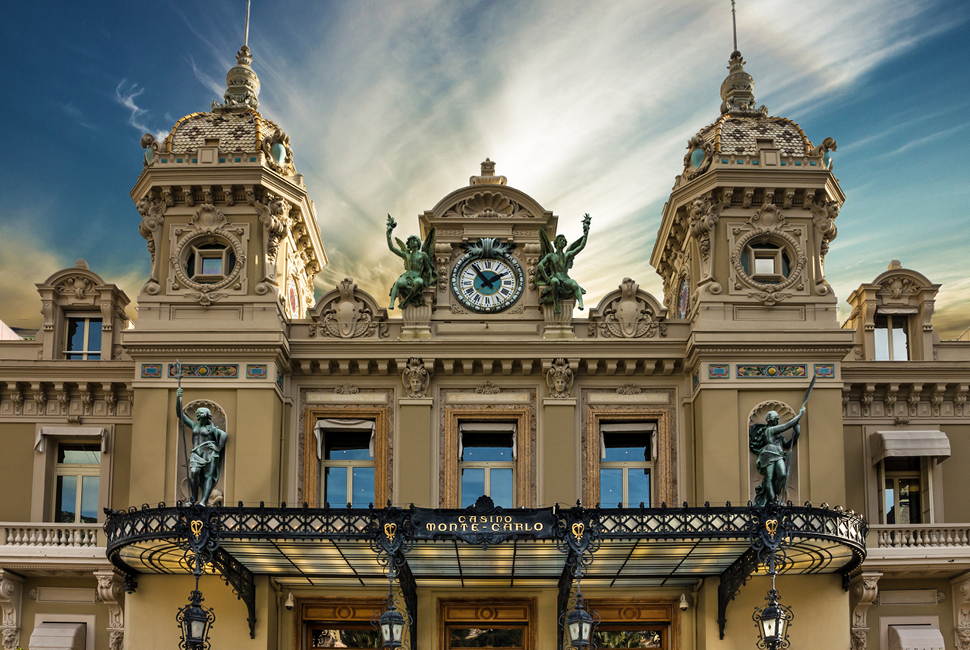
<point>488,546</point>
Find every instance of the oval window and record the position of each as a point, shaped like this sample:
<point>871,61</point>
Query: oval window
<point>696,157</point>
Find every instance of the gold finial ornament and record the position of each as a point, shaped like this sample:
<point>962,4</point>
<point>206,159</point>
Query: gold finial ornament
<point>390,531</point>
<point>578,530</point>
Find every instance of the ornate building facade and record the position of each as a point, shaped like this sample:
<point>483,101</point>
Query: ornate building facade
<point>492,410</point>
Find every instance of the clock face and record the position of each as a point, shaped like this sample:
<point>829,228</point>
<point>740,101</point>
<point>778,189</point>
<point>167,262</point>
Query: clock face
<point>487,285</point>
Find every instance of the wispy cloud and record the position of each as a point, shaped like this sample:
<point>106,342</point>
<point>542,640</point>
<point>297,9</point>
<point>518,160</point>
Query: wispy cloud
<point>125,94</point>
<point>77,115</point>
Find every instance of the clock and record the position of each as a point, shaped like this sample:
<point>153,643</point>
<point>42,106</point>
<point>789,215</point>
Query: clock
<point>487,285</point>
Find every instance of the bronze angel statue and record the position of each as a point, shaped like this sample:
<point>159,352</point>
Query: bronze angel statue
<point>552,272</point>
<point>768,442</point>
<point>419,270</point>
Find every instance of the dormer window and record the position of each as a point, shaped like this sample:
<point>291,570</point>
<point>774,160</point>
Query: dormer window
<point>210,262</point>
<point>83,339</point>
<point>891,337</point>
<point>770,262</point>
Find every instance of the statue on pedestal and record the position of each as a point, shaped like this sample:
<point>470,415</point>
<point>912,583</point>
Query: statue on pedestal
<point>552,272</point>
<point>419,270</point>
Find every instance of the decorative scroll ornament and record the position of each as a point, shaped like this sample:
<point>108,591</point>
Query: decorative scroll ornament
<point>560,378</point>
<point>697,164</point>
<point>151,147</point>
<point>488,388</point>
<point>628,313</point>
<point>279,155</point>
<point>208,221</point>
<point>276,222</point>
<point>768,223</point>
<point>704,213</point>
<point>416,378</point>
<point>824,214</point>
<point>349,313</point>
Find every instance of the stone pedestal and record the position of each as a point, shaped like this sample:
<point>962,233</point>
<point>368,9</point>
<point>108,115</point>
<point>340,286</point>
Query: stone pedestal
<point>417,320</point>
<point>559,326</point>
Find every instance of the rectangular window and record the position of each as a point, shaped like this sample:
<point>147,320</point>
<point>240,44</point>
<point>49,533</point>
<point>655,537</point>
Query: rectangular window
<point>343,635</point>
<point>632,623</point>
<point>627,452</point>
<point>76,481</point>
<point>501,624</point>
<point>892,339</point>
<point>347,464</point>
<point>486,455</point>
<point>902,493</point>
<point>83,339</point>
<point>612,636</point>
<point>338,622</point>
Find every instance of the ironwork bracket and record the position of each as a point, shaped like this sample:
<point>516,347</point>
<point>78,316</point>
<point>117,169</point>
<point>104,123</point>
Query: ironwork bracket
<point>241,579</point>
<point>733,578</point>
<point>562,601</point>
<point>409,589</point>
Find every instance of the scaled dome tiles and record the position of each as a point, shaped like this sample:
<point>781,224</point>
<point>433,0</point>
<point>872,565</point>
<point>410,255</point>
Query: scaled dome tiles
<point>236,131</point>
<point>739,135</point>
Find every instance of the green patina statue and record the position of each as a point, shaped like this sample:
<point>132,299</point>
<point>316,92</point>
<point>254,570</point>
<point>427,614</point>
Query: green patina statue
<point>552,272</point>
<point>773,450</point>
<point>205,459</point>
<point>419,271</point>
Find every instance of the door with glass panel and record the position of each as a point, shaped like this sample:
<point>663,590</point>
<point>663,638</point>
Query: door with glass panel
<point>77,476</point>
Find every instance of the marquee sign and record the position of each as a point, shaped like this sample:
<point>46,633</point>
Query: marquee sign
<point>484,523</point>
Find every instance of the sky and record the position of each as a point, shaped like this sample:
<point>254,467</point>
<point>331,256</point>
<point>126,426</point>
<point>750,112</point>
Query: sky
<point>390,106</point>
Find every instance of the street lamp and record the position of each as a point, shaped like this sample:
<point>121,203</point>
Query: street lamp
<point>579,625</point>
<point>772,621</point>
<point>391,624</point>
<point>195,621</point>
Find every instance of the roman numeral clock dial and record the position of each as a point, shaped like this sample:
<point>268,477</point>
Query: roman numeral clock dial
<point>487,285</point>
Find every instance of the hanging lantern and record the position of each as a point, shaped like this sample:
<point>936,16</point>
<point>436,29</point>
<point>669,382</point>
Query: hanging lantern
<point>773,622</point>
<point>579,625</point>
<point>195,621</point>
<point>391,624</point>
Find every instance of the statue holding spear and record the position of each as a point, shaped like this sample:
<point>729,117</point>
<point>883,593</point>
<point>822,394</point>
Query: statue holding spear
<point>204,462</point>
<point>768,442</point>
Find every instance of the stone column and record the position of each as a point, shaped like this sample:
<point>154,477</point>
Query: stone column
<point>111,592</point>
<point>861,595</point>
<point>961,611</point>
<point>11,598</point>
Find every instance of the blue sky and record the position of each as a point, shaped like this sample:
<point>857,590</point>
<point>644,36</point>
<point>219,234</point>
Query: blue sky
<point>586,106</point>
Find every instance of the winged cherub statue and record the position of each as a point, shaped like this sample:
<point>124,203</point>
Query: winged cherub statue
<point>552,272</point>
<point>419,270</point>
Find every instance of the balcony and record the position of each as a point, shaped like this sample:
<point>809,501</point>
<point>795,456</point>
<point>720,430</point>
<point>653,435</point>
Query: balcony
<point>941,549</point>
<point>37,545</point>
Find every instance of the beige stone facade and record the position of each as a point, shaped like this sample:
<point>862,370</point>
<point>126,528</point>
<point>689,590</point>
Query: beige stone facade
<point>746,320</point>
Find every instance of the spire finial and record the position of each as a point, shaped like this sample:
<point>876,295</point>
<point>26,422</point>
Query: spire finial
<point>246,37</point>
<point>734,23</point>
<point>242,84</point>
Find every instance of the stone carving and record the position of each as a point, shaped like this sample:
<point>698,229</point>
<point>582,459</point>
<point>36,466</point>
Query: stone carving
<point>152,211</point>
<point>488,205</point>
<point>442,255</point>
<point>419,269</point>
<point>279,156</point>
<point>626,313</point>
<point>737,91</point>
<point>697,142</point>
<point>889,399</point>
<point>704,214</point>
<point>416,378</point>
<point>346,389</point>
<point>151,147</point>
<point>629,389</point>
<point>111,592</point>
<point>488,388</point>
<point>900,285</point>
<point>276,221</point>
<point>768,223</point>
<point>824,214</point>
<point>862,595</point>
<point>242,85</point>
<point>11,599</point>
<point>208,221</point>
<point>559,379</point>
<point>552,271</point>
<point>488,176</point>
<point>349,313</point>
<point>961,611</point>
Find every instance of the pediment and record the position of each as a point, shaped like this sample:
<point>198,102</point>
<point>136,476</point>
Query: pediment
<point>347,312</point>
<point>477,203</point>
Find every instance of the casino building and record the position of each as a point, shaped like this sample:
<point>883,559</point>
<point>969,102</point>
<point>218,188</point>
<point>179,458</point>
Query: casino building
<point>484,457</point>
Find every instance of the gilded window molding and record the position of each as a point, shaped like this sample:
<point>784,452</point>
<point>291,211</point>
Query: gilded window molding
<point>525,471</point>
<point>663,611</point>
<point>498,612</point>
<point>665,464</point>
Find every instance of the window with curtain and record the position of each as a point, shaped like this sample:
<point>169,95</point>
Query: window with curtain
<point>627,454</point>
<point>486,462</point>
<point>345,448</point>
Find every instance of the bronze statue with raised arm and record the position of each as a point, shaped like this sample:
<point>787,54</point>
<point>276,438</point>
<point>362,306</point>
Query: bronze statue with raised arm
<point>419,270</point>
<point>205,459</point>
<point>552,272</point>
<point>773,449</point>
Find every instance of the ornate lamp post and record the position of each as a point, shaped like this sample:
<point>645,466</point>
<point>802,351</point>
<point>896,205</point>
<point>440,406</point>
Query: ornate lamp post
<point>580,624</point>
<point>773,620</point>
<point>391,624</point>
<point>195,621</point>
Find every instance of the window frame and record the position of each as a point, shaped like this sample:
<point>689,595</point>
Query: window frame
<point>491,612</point>
<point>888,328</point>
<point>753,253</point>
<point>313,612</point>
<point>86,317</point>
<point>524,469</point>
<point>78,470</point>
<point>925,474</point>
<point>638,613</point>
<point>488,465</point>
<point>350,465</point>
<point>312,467</point>
<point>664,481</point>
<point>45,465</point>
<point>651,429</point>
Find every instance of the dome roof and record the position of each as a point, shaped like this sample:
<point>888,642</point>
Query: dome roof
<point>739,134</point>
<point>243,130</point>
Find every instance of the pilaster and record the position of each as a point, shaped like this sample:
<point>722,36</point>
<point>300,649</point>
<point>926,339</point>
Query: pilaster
<point>865,588</point>
<point>11,599</point>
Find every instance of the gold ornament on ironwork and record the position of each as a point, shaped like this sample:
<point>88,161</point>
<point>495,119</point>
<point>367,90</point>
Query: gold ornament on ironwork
<point>772,527</point>
<point>390,530</point>
<point>196,527</point>
<point>578,529</point>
